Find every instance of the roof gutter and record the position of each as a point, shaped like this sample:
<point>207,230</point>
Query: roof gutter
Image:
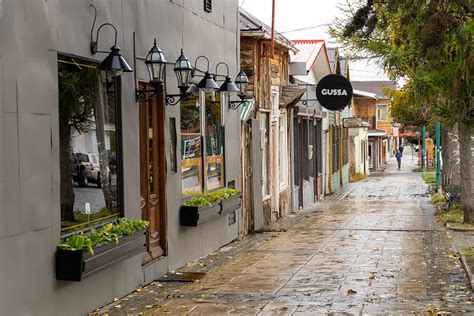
<point>264,35</point>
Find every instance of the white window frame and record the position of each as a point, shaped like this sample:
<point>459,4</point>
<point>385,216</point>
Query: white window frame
<point>382,109</point>
<point>283,150</point>
<point>264,143</point>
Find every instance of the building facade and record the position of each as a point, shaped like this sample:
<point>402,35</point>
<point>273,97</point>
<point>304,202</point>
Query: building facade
<point>152,156</point>
<point>373,106</point>
<point>307,123</point>
<point>266,138</point>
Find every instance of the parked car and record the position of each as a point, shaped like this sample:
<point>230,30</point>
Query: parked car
<point>89,169</point>
<point>78,171</point>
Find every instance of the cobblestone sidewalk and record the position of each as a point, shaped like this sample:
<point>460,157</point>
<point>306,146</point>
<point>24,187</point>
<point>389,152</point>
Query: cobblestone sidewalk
<point>378,251</point>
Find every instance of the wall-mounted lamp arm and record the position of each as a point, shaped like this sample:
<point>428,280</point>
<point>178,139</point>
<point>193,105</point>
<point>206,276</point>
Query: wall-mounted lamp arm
<point>222,63</point>
<point>195,63</point>
<point>94,44</point>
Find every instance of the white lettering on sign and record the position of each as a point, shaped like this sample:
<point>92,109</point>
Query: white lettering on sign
<point>333,92</point>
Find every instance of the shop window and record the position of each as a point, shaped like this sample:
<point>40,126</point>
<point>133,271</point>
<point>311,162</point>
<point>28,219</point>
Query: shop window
<point>306,148</point>
<point>335,148</point>
<point>264,143</point>
<point>382,112</point>
<point>173,145</point>
<point>283,150</point>
<point>191,163</point>
<point>345,146</point>
<point>319,149</point>
<point>89,145</point>
<point>311,148</point>
<point>214,144</point>
<point>198,174</point>
<point>296,145</point>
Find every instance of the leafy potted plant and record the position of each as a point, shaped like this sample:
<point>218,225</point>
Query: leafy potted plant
<point>231,200</point>
<point>197,210</point>
<point>209,205</point>
<point>85,253</point>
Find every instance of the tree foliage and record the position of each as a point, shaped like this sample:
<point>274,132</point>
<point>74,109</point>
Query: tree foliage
<point>77,97</point>
<point>428,43</point>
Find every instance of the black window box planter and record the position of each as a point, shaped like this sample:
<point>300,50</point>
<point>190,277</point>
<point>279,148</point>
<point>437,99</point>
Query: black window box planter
<point>76,265</point>
<point>193,216</point>
<point>231,204</point>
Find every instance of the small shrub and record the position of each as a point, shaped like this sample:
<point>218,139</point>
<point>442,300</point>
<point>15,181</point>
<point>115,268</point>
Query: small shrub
<point>468,251</point>
<point>455,215</point>
<point>438,198</point>
<point>429,177</point>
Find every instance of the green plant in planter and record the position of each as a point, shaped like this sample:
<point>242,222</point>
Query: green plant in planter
<point>108,233</point>
<point>197,201</point>
<point>207,198</point>
<point>78,242</point>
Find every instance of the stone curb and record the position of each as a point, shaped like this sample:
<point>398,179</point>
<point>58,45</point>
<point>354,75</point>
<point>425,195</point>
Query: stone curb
<point>459,229</point>
<point>465,265</point>
<point>462,258</point>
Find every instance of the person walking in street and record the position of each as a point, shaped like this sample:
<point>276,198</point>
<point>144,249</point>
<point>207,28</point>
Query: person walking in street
<point>400,149</point>
<point>398,155</point>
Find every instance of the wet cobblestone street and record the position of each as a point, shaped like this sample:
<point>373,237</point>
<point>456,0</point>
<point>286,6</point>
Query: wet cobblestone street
<point>377,251</point>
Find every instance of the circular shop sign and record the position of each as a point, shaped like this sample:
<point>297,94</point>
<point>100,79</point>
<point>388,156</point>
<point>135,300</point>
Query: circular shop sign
<point>334,92</point>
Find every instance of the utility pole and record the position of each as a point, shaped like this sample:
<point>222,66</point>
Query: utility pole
<point>438,160</point>
<point>423,149</point>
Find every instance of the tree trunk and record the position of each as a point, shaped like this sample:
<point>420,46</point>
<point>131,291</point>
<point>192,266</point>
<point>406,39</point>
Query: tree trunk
<point>66,189</point>
<point>450,154</point>
<point>467,167</point>
<point>100,100</point>
<point>444,156</point>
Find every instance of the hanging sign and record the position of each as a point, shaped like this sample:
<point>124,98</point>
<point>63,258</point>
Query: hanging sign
<point>334,92</point>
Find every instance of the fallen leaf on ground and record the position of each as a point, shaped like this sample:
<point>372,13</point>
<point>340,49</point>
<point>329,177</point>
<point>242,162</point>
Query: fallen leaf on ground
<point>351,292</point>
<point>372,275</point>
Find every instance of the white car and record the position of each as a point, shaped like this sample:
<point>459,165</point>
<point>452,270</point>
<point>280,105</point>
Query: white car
<point>91,167</point>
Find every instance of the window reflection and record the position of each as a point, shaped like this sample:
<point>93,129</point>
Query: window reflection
<point>88,147</point>
<point>214,144</point>
<point>191,146</point>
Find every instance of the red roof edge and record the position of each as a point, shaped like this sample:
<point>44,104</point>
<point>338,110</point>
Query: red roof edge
<point>308,41</point>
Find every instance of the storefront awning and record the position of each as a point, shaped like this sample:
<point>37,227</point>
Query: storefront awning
<point>290,95</point>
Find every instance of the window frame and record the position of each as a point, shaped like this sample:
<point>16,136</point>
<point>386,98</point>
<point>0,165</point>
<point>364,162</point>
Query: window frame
<point>265,148</point>
<point>117,86</point>
<point>283,150</point>
<point>203,175</point>
<point>382,109</point>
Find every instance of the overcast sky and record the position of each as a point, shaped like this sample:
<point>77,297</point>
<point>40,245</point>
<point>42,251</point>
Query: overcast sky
<point>311,15</point>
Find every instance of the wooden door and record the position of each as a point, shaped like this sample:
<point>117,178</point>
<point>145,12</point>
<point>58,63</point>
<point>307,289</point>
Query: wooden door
<point>153,174</point>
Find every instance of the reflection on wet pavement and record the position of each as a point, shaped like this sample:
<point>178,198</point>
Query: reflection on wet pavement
<point>377,251</point>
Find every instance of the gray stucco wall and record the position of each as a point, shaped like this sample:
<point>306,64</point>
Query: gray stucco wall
<point>32,33</point>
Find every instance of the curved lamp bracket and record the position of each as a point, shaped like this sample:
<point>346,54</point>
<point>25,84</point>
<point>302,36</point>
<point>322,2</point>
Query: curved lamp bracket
<point>94,44</point>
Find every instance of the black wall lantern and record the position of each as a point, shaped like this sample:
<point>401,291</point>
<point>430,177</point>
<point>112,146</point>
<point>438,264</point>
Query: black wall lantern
<point>114,62</point>
<point>155,62</point>
<point>241,81</point>
<point>183,71</point>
